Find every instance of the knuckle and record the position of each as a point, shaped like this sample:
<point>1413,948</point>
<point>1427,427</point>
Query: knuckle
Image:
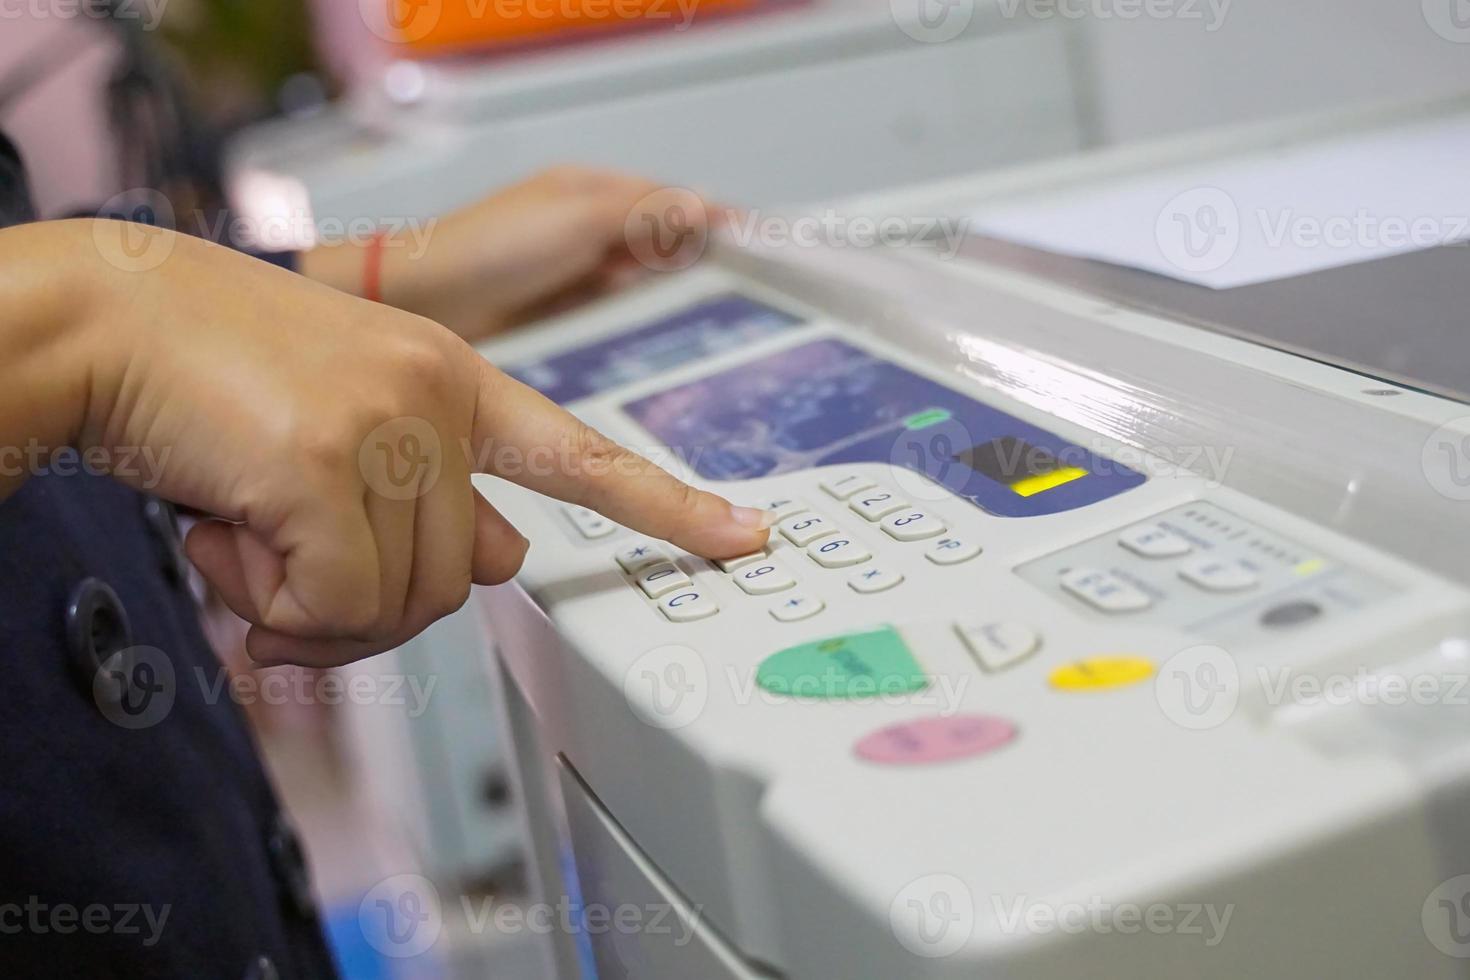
<point>451,600</point>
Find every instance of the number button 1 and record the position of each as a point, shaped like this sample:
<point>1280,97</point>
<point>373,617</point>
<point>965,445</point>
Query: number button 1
<point>764,578</point>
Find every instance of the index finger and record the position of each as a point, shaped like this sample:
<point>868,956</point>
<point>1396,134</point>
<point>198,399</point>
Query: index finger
<point>562,457</point>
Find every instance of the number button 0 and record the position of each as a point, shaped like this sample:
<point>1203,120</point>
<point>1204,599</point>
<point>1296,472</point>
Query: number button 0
<point>877,503</point>
<point>802,529</point>
<point>764,578</point>
<point>660,578</point>
<point>914,526</point>
<point>838,552</point>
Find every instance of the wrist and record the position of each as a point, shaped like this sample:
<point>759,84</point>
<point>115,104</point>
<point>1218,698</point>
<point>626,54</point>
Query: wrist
<point>52,285</point>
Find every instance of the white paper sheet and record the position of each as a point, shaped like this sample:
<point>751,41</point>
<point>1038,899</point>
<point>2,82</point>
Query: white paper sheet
<point>1258,218</point>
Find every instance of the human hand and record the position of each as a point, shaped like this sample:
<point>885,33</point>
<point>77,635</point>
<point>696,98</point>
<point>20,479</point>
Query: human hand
<point>268,398</point>
<point>564,236</point>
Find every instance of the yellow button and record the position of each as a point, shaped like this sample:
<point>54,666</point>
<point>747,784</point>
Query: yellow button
<point>1100,673</point>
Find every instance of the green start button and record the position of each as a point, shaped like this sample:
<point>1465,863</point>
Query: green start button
<point>858,665</point>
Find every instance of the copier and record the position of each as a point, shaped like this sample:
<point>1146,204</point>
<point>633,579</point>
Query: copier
<point>1100,634</point>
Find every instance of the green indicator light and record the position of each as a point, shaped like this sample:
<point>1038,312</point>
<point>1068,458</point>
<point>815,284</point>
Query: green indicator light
<point>925,419</point>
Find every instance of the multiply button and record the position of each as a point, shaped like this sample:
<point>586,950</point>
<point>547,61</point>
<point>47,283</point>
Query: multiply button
<point>661,578</point>
<point>838,552</point>
<point>797,607</point>
<point>1101,673</point>
<point>951,551</point>
<point>999,645</point>
<point>874,579</point>
<point>638,555</point>
<point>1218,574</point>
<point>1153,541</point>
<point>859,665</point>
<point>913,526</point>
<point>764,578</point>
<point>877,503</point>
<point>802,529</point>
<point>687,605</point>
<point>846,485</point>
<point>1105,591</point>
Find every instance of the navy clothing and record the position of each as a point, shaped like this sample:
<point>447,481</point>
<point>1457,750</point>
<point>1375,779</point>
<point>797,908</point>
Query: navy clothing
<point>139,833</point>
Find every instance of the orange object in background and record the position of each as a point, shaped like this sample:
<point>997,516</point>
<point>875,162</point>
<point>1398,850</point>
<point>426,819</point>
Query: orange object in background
<point>432,27</point>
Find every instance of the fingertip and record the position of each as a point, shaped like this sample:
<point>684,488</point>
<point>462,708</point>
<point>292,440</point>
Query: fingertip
<point>722,530</point>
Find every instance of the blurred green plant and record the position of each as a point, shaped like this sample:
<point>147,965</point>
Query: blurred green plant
<point>238,53</point>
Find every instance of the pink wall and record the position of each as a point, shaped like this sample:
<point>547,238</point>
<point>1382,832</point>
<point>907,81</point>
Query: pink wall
<point>59,124</point>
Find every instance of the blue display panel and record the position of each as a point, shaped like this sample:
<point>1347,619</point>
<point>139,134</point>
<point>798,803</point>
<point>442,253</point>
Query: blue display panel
<point>828,402</point>
<point>713,327</point>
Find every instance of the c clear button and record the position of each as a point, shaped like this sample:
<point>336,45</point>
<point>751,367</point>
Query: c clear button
<point>1101,673</point>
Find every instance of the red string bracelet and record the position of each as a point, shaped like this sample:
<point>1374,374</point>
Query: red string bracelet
<point>372,268</point>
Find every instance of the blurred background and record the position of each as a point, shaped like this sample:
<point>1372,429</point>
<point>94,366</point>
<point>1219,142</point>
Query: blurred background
<point>307,111</point>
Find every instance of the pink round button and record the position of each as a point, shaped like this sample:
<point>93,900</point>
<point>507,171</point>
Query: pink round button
<point>917,743</point>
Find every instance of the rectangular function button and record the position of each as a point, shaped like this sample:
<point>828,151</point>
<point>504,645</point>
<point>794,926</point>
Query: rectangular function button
<point>838,551</point>
<point>763,578</point>
<point>1218,574</point>
<point>802,529</point>
<point>998,645</point>
<point>913,525</point>
<point>1105,591</point>
<point>687,605</point>
<point>844,485</point>
<point>1153,541</point>
<point>661,578</point>
<point>639,554</point>
<point>877,503</point>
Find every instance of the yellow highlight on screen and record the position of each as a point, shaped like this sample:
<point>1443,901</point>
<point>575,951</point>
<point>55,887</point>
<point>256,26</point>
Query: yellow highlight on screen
<point>1033,485</point>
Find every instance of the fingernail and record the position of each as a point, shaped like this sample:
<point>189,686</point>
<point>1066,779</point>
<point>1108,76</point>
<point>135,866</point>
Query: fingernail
<point>752,517</point>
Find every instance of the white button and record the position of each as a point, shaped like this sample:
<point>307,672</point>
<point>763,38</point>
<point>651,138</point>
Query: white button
<point>877,503</point>
<point>764,577</point>
<point>951,551</point>
<point>730,564</point>
<point>687,605</point>
<point>1218,574</point>
<point>795,607</point>
<point>838,552</point>
<point>999,645</point>
<point>782,507</point>
<point>640,554</point>
<point>845,485</point>
<point>874,579</point>
<point>1104,590</point>
<point>662,577</point>
<point>589,523</point>
<point>913,525</point>
<point>1153,541</point>
<point>802,529</point>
